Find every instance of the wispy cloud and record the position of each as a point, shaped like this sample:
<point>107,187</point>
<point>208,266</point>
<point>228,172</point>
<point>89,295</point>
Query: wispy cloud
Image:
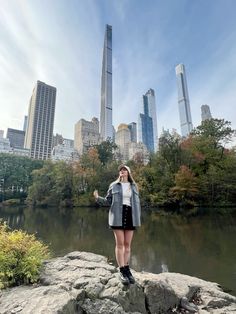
<point>61,44</point>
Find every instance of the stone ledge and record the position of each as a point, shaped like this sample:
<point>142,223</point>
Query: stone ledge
<point>83,282</point>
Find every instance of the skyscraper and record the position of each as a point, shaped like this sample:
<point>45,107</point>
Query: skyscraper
<point>133,131</point>
<point>39,132</point>
<point>123,140</point>
<point>25,123</point>
<point>145,126</point>
<point>183,101</point>
<point>150,94</point>
<point>106,129</point>
<point>16,137</point>
<point>147,122</point>
<point>205,112</point>
<point>86,134</point>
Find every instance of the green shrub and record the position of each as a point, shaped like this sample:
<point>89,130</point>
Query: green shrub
<point>21,257</point>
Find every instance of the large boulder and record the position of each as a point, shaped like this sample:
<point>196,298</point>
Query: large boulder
<point>86,283</point>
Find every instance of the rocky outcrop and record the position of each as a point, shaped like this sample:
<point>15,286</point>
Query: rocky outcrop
<point>86,283</point>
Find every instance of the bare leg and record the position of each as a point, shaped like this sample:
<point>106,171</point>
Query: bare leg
<point>120,248</point>
<point>128,236</point>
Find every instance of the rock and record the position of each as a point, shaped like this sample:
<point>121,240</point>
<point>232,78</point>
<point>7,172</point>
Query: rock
<point>86,283</point>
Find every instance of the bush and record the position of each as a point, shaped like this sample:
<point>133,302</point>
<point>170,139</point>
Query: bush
<point>21,257</point>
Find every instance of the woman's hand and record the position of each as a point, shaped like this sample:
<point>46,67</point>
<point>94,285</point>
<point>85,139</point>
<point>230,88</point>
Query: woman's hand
<point>95,194</point>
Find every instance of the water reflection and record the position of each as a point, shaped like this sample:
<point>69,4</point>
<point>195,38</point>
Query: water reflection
<point>202,246</point>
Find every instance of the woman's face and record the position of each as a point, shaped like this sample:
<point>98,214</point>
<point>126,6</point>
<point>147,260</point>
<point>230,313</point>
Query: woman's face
<point>123,172</point>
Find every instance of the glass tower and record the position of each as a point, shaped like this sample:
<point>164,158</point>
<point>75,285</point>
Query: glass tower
<point>106,129</point>
<point>133,131</point>
<point>150,94</point>
<point>147,122</point>
<point>183,101</point>
<point>145,126</point>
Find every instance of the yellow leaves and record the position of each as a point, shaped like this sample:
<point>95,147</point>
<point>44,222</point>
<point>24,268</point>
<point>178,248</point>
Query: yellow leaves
<point>21,256</point>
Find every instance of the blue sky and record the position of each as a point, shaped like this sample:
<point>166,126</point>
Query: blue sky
<point>60,42</point>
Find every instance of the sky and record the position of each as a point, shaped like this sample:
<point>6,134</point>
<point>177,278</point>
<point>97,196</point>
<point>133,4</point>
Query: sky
<point>60,42</point>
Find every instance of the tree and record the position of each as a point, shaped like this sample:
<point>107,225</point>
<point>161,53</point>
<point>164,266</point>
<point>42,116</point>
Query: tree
<point>217,130</point>
<point>16,175</point>
<point>105,151</point>
<point>40,192</point>
<point>185,185</point>
<point>170,150</point>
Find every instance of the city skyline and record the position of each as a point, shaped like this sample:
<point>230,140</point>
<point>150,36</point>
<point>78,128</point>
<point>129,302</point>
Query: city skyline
<point>144,56</point>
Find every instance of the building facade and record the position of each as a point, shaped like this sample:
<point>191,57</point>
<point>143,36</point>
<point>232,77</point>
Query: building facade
<point>138,152</point>
<point>6,148</point>
<point>25,123</point>
<point>123,140</point>
<point>145,125</point>
<point>86,135</point>
<point>57,140</point>
<point>183,101</point>
<point>16,137</point>
<point>65,151</point>
<point>106,130</point>
<point>205,112</point>
<point>39,131</point>
<point>151,101</point>
<point>133,131</point>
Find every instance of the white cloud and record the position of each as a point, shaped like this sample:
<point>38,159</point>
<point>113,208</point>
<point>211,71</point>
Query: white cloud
<point>61,44</point>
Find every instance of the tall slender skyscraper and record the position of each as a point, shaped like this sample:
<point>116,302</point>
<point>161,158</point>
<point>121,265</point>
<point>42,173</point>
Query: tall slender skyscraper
<point>147,122</point>
<point>106,129</point>
<point>205,112</point>
<point>39,131</point>
<point>150,94</point>
<point>183,100</point>
<point>145,126</point>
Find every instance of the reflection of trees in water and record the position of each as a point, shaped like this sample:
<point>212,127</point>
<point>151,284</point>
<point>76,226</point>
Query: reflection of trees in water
<point>67,230</point>
<point>200,246</point>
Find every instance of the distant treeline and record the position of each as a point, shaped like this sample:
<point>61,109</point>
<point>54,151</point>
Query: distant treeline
<point>195,171</point>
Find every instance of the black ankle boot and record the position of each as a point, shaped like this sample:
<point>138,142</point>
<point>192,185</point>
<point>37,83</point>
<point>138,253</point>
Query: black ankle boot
<point>123,276</point>
<point>129,274</point>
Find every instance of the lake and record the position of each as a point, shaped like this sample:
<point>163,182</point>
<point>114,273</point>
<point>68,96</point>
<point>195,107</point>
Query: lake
<point>202,246</point>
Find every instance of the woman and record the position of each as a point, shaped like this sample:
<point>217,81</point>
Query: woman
<point>124,217</point>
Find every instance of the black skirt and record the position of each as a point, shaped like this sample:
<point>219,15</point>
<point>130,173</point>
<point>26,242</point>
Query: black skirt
<point>127,220</point>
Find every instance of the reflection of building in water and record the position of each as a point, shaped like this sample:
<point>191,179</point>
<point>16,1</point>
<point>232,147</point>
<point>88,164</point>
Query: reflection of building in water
<point>14,221</point>
<point>164,268</point>
<point>145,262</point>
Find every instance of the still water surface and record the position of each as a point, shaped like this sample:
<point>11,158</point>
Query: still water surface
<point>199,246</point>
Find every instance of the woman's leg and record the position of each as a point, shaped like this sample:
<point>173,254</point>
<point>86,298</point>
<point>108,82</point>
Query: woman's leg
<point>119,249</point>
<point>128,236</point>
